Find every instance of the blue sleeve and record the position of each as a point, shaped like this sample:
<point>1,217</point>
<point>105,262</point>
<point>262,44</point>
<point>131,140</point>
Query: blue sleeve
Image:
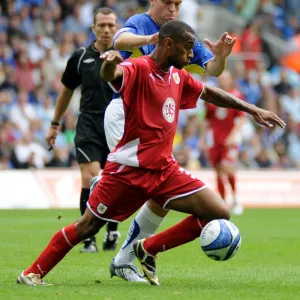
<point>201,55</point>
<point>131,25</point>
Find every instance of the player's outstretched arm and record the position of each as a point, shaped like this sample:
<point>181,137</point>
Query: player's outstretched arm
<point>221,98</point>
<point>221,50</point>
<point>110,70</point>
<point>128,41</point>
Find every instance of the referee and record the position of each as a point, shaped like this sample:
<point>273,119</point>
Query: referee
<point>83,68</point>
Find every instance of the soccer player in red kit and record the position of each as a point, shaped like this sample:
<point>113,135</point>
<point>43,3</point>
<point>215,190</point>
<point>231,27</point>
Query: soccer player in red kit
<point>225,125</point>
<point>142,166</point>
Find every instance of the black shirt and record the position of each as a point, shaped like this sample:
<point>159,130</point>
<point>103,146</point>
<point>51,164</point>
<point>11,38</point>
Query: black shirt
<point>83,68</point>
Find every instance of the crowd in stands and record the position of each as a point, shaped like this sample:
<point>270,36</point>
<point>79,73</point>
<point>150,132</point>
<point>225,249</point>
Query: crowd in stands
<point>38,36</point>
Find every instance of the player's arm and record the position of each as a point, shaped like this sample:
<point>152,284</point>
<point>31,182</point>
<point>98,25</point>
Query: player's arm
<point>221,98</point>
<point>110,71</point>
<point>221,50</point>
<point>128,41</point>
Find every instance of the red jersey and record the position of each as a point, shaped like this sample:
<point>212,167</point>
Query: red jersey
<point>222,119</point>
<point>152,99</point>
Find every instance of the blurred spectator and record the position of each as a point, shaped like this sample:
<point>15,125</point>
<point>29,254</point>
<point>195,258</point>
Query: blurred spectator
<point>248,84</point>
<point>283,87</point>
<point>22,113</point>
<point>263,160</point>
<point>291,59</point>
<point>245,161</point>
<point>190,13</point>
<point>293,139</point>
<point>73,22</point>
<point>290,105</point>
<point>251,42</point>
<point>24,72</point>
<point>247,9</point>
<point>29,154</point>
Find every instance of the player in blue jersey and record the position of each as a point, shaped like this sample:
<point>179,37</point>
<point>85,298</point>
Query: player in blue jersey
<point>139,37</point>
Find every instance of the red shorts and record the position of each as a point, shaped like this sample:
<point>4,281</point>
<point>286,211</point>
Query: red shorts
<point>222,154</point>
<point>122,190</point>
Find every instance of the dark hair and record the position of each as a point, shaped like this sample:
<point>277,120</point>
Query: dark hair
<point>104,11</point>
<point>175,30</point>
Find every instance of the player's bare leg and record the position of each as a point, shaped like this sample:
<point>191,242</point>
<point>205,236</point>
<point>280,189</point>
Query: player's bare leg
<point>60,244</point>
<point>204,205</point>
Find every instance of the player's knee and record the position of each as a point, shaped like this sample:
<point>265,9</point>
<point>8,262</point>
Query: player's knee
<point>223,213</point>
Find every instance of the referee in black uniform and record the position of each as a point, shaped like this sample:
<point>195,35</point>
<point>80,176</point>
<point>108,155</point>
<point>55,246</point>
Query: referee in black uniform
<point>83,68</point>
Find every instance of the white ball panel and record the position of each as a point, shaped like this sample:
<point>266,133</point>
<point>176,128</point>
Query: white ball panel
<point>209,233</point>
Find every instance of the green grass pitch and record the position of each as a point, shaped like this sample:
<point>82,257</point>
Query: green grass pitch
<point>267,266</point>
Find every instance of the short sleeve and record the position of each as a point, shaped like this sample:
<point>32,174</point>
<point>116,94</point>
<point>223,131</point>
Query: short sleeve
<point>129,68</point>
<point>71,77</point>
<point>201,55</point>
<point>131,26</point>
<point>191,92</point>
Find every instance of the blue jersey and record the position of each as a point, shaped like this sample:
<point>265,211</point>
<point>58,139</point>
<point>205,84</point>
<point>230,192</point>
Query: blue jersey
<point>143,24</point>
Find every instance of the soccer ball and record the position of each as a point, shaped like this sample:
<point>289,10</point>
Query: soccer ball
<point>220,239</point>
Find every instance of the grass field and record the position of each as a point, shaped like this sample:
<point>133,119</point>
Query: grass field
<point>267,266</point>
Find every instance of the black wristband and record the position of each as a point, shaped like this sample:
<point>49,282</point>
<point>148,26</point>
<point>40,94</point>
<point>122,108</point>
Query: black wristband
<point>54,123</point>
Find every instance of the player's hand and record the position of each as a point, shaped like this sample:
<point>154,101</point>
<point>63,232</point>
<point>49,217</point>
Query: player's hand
<point>267,118</point>
<point>51,135</point>
<point>152,39</point>
<point>223,46</point>
<point>112,56</point>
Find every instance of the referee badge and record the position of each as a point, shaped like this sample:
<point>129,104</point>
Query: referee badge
<point>176,78</point>
<point>89,60</point>
<point>101,208</point>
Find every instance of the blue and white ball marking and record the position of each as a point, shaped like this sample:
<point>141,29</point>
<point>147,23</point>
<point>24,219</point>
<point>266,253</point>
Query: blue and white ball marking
<point>220,239</point>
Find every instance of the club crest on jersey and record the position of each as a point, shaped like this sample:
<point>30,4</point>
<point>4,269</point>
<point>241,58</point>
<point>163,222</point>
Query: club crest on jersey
<point>101,208</point>
<point>168,110</point>
<point>176,78</point>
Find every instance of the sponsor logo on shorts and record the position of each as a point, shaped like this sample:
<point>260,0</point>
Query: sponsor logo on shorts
<point>168,110</point>
<point>101,208</point>
<point>176,78</point>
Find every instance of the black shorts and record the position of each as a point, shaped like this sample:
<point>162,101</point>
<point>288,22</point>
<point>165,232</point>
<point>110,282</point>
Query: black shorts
<point>90,141</point>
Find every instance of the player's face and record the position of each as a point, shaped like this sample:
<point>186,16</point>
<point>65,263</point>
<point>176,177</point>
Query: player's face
<point>165,10</point>
<point>105,28</point>
<point>181,52</point>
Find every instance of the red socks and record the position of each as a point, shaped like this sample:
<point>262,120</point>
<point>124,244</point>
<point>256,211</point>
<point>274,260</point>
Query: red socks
<point>181,233</point>
<point>61,243</point>
<point>221,186</point>
<point>231,180</point>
